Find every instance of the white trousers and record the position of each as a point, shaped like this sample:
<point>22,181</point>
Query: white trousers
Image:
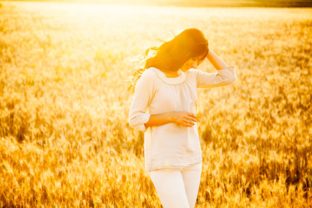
<point>177,187</point>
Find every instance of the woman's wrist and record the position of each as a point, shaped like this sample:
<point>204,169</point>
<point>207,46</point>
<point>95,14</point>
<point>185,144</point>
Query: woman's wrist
<point>216,61</point>
<point>171,117</point>
<point>210,54</point>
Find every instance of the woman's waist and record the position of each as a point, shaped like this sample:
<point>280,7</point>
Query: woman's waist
<point>172,130</point>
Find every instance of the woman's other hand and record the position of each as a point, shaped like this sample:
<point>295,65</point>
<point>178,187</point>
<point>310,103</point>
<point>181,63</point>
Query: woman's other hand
<point>182,118</point>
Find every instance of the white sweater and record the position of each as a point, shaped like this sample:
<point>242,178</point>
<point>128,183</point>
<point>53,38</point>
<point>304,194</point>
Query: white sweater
<point>170,145</point>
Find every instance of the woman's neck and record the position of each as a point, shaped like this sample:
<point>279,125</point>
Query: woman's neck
<point>169,73</point>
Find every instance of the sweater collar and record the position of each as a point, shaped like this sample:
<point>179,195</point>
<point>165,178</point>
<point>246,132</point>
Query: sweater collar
<point>170,80</point>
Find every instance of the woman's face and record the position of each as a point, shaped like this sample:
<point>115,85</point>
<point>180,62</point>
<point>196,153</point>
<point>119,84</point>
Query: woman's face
<point>191,63</point>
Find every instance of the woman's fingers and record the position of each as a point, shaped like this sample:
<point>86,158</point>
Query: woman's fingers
<point>192,117</point>
<point>187,119</point>
<point>188,122</point>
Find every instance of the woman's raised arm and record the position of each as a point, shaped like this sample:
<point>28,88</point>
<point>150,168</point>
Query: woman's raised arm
<point>225,74</point>
<point>216,61</point>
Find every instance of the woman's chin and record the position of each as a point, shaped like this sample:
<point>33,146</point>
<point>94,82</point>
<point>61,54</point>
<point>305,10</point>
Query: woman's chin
<point>186,68</point>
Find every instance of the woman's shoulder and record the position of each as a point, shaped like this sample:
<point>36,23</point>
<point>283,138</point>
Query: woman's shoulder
<point>148,73</point>
<point>147,77</point>
<point>192,72</point>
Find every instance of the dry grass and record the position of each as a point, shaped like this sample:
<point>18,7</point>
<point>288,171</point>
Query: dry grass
<point>64,99</point>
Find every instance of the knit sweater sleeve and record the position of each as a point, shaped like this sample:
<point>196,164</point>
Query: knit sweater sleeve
<point>220,78</point>
<point>143,93</point>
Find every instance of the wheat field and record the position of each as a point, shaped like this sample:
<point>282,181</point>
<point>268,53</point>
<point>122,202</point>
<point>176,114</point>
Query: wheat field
<point>65,71</point>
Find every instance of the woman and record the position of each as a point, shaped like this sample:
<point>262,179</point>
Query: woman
<point>167,88</point>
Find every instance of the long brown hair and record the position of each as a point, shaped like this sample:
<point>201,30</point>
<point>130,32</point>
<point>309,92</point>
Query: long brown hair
<point>172,54</point>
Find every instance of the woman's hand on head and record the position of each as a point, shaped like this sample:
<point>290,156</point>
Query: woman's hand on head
<point>182,118</point>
